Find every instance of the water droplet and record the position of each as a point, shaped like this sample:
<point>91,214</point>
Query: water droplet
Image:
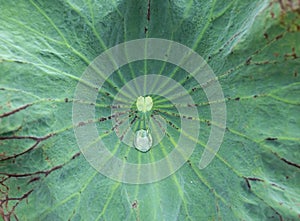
<point>143,140</point>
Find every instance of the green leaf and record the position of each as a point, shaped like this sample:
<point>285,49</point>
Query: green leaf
<point>252,47</point>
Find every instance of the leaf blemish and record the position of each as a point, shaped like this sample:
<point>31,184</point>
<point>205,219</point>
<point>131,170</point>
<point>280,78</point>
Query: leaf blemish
<point>279,36</point>
<point>290,163</point>
<point>34,179</point>
<point>102,119</point>
<point>134,204</point>
<point>189,163</point>
<point>271,138</point>
<point>295,74</point>
<point>272,14</point>
<point>248,183</point>
<point>81,124</point>
<point>75,155</point>
<point>149,10</point>
<point>248,179</point>
<point>15,111</point>
<point>248,61</point>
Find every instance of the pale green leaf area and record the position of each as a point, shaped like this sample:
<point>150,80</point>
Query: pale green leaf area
<point>253,48</point>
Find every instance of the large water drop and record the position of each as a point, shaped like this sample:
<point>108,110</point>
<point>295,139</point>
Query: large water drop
<point>143,140</point>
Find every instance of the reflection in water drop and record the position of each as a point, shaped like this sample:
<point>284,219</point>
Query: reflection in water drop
<point>143,140</point>
<point>144,104</point>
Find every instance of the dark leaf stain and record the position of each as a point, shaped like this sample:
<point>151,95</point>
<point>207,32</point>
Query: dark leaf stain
<point>248,61</point>
<point>81,124</point>
<point>7,217</point>
<point>289,5</point>
<point>292,55</point>
<point>189,162</point>
<point>149,10</point>
<point>34,179</point>
<point>271,138</point>
<point>37,139</point>
<point>237,99</point>
<point>15,111</point>
<point>102,119</point>
<point>134,205</point>
<point>254,179</point>
<point>281,4</point>
<point>248,179</point>
<point>19,62</point>
<point>273,184</point>
<point>247,183</point>
<point>75,155</point>
<point>173,125</point>
<point>66,100</point>
<point>53,169</point>
<point>279,36</point>
<point>115,106</point>
<point>134,119</point>
<point>290,163</point>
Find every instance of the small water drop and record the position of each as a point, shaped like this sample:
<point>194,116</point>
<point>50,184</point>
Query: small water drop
<point>143,140</point>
